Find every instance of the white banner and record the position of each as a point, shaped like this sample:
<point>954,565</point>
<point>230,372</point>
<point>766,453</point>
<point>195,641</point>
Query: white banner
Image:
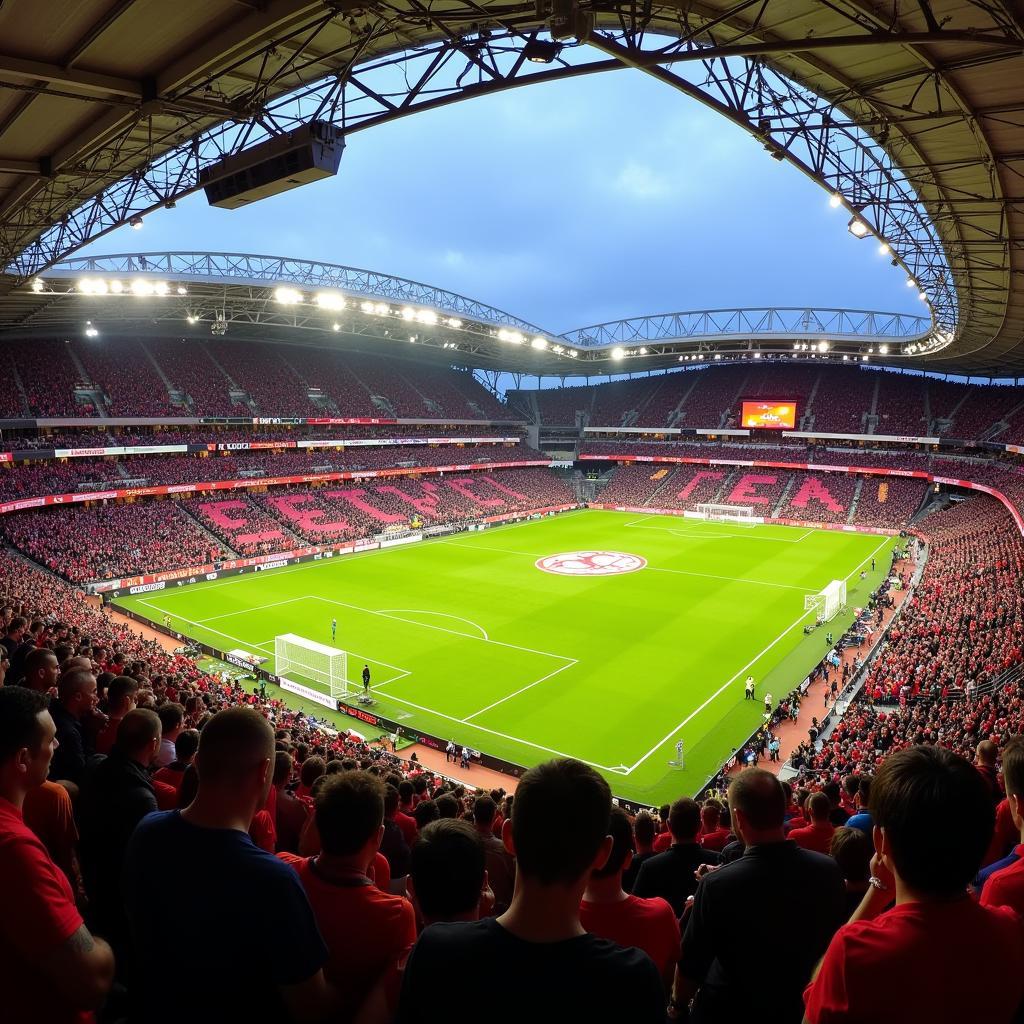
<point>308,692</point>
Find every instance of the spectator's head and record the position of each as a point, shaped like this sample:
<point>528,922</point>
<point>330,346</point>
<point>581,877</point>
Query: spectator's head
<point>425,812</point>
<point>76,691</point>
<point>863,792</point>
<point>138,736</point>
<point>186,745</point>
<point>558,831</point>
<point>42,670</point>
<point>234,763</point>
<point>621,854</point>
<point>447,806</point>
<point>643,829</point>
<point>27,741</point>
<point>987,753</point>
<point>684,820</point>
<point>17,628</point>
<point>172,718</point>
<point>350,816</point>
<point>282,768</point>
<point>819,807</point>
<point>484,810</point>
<point>710,815</point>
<point>851,850</point>
<point>1013,777</point>
<point>757,805</point>
<point>312,769</point>
<point>914,791</point>
<point>447,872</point>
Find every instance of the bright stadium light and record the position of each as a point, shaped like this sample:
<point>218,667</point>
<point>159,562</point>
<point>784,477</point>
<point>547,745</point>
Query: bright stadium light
<point>539,343</point>
<point>408,313</point>
<point>573,354</point>
<point>884,250</point>
<point>911,283</point>
<point>426,316</point>
<point>643,350</point>
<point>366,307</point>
<point>192,318</point>
<point>923,296</point>
<point>822,346</point>
<point>858,228</point>
<point>162,288</point>
<point>37,285</point>
<point>718,355</point>
<point>330,300</point>
<point>884,349</point>
<point>512,337</point>
<point>796,345</point>
<point>141,287</point>
<point>381,308</point>
<point>135,222</point>
<point>116,287</point>
<point>336,327</point>
<point>618,352</point>
<point>182,290</point>
<point>835,200</point>
<point>90,331</point>
<point>287,296</point>
<point>454,322</point>
<point>757,355</point>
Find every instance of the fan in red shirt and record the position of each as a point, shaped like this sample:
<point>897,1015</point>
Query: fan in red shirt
<point>610,913</point>
<point>713,836</point>
<point>185,747</point>
<point>366,930</point>
<point>818,834</point>
<point>51,967</point>
<point>1005,888</point>
<point>937,956</point>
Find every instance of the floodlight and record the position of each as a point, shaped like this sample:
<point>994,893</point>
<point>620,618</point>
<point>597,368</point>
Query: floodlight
<point>923,296</point>
<point>191,318</point>
<point>116,287</point>
<point>37,285</point>
<point>911,283</point>
<point>858,228</point>
<point>618,352</point>
<point>757,355</point>
<point>330,300</point>
<point>161,288</point>
<point>135,222</point>
<point>835,200</point>
<point>822,346</point>
<point>541,51</point>
<point>883,249</point>
<point>454,322</point>
<point>718,355</point>
<point>91,332</point>
<point>182,290</point>
<point>408,313</point>
<point>884,349</point>
<point>426,316</point>
<point>539,343</point>
<point>643,350</point>
<point>381,308</point>
<point>287,296</point>
<point>142,287</point>
<point>366,307</point>
<point>336,327</point>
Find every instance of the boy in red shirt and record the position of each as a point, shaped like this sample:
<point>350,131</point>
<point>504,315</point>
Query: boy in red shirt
<point>611,913</point>
<point>1005,888</point>
<point>936,956</point>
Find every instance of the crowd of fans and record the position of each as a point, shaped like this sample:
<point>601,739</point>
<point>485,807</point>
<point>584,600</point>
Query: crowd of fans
<point>112,540</point>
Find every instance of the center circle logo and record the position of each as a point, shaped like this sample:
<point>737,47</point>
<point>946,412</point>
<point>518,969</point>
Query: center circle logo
<point>590,563</point>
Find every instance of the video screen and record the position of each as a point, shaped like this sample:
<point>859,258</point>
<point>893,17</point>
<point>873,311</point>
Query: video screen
<point>769,415</point>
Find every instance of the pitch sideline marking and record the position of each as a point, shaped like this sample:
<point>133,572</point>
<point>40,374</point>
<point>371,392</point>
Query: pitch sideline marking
<point>733,679</point>
<point>529,686</point>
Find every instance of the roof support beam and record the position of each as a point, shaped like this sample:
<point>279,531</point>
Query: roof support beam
<point>87,84</point>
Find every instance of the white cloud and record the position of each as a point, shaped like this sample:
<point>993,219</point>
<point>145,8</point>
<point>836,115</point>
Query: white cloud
<point>640,181</point>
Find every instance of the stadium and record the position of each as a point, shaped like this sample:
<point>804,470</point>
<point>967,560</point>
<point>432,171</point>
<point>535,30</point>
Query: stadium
<point>363,632</point>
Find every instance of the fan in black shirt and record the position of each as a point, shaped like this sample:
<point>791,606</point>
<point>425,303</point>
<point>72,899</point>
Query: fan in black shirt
<point>559,834</point>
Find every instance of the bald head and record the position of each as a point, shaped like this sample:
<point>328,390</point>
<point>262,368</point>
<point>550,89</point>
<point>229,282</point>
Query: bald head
<point>233,743</point>
<point>987,753</point>
<point>76,690</point>
<point>138,735</point>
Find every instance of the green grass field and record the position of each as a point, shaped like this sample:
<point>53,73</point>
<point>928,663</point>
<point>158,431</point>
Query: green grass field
<point>467,638</point>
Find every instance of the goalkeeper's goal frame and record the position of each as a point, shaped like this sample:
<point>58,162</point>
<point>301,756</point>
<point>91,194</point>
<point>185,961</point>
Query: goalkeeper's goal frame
<point>312,662</point>
<point>827,603</point>
<point>714,513</point>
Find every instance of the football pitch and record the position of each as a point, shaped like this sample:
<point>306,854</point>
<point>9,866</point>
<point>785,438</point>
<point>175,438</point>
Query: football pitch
<point>467,637</point>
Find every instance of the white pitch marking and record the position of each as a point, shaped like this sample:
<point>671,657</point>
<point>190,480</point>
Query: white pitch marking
<point>445,615</point>
<point>733,579</point>
<point>733,679</point>
<point>529,686</point>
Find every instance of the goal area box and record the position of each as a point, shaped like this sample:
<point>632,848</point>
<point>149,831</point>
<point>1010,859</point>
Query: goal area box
<point>312,662</point>
<point>827,603</point>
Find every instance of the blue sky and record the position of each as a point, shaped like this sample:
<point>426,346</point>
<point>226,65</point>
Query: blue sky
<point>568,204</point>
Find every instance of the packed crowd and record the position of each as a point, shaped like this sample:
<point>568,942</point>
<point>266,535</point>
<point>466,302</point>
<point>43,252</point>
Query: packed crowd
<point>111,540</point>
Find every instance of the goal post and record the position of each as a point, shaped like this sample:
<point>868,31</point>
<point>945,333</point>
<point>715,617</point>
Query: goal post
<point>829,602</point>
<point>312,662</point>
<point>714,513</point>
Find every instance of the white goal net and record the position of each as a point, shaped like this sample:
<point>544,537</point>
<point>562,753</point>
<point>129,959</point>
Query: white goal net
<point>828,603</point>
<point>311,662</point>
<point>725,513</point>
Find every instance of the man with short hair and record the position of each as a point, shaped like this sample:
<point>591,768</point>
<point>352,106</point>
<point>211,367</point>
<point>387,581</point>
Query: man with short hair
<point>986,755</point>
<point>1005,887</point>
<point>185,747</point>
<point>609,911</point>
<point>670,875</point>
<point>718,969</point>
<point>122,693</point>
<point>936,955</point>
<point>51,967</point>
<point>818,834</point>
<point>253,950</point>
<point>861,818</point>
<point>448,878</point>
<point>172,721</point>
<point>116,795</point>
<point>558,833</point>
<point>350,821</point>
<point>643,835</point>
<point>41,671</point>
<point>713,835</point>
<point>76,699</point>
<point>501,866</point>
<point>291,813</point>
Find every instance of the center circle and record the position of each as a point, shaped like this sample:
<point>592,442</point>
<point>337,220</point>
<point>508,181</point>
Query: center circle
<point>590,563</point>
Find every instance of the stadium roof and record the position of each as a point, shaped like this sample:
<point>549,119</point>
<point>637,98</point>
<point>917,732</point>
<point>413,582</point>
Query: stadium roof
<point>913,116</point>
